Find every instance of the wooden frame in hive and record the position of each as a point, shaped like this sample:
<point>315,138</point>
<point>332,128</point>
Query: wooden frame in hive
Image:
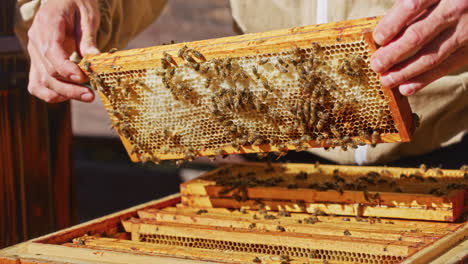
<point>437,195</point>
<point>178,121</point>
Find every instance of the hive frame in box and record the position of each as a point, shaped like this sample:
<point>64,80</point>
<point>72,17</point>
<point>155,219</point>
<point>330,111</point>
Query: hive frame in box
<point>133,66</point>
<point>204,192</point>
<point>47,249</point>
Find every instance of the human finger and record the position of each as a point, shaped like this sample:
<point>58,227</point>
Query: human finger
<point>87,24</point>
<point>452,63</point>
<point>427,58</point>
<point>71,91</point>
<point>398,17</point>
<point>413,38</point>
<point>55,54</point>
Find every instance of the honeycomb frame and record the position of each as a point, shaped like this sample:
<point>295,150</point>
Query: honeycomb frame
<point>406,193</point>
<point>189,120</point>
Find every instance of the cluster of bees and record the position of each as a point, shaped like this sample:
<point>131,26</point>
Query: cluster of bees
<point>241,93</point>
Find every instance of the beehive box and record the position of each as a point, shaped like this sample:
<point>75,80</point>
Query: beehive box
<point>409,193</point>
<point>164,232</point>
<point>274,91</point>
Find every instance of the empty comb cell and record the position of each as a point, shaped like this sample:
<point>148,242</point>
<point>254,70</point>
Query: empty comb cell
<point>274,91</point>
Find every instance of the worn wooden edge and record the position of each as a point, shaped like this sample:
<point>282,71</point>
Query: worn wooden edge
<point>439,247</point>
<point>377,230</point>
<point>344,170</point>
<point>436,214</point>
<point>103,223</point>
<point>455,255</point>
<point>395,224</point>
<point>399,105</point>
<point>197,255</point>
<point>334,196</point>
<point>229,46</point>
<point>312,241</point>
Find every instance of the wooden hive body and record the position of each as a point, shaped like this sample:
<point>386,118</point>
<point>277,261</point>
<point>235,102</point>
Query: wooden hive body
<point>272,91</point>
<point>167,231</point>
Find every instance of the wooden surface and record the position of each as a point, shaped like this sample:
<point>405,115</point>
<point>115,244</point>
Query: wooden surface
<point>414,203</point>
<point>248,45</point>
<point>35,163</point>
<point>57,248</point>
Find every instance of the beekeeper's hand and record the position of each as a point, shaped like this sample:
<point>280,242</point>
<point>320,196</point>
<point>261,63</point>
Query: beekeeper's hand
<point>422,40</point>
<point>59,28</point>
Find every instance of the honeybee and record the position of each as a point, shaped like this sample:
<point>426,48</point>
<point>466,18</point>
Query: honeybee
<point>280,228</point>
<point>188,58</point>
<point>201,211</point>
<point>198,55</point>
<point>423,167</point>
<point>204,69</point>
<point>416,120</point>
<point>169,58</point>
<point>221,152</point>
<point>266,85</point>
<point>190,154</point>
<point>335,131</point>
<point>257,260</point>
<point>281,68</point>
<point>268,217</point>
<point>134,149</point>
<point>464,168</point>
<point>316,48</point>
<point>439,172</point>
<point>97,83</point>
<point>182,51</point>
<point>155,160</point>
<point>145,158</point>
<point>87,66</point>
<point>375,137</point>
<point>322,121</point>
<point>263,61</point>
<point>208,82</point>
<point>228,64</point>
<point>164,63</point>
<point>437,192</point>
<point>195,66</point>
<point>255,72</point>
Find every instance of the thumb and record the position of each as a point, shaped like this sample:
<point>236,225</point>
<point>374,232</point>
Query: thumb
<point>87,24</point>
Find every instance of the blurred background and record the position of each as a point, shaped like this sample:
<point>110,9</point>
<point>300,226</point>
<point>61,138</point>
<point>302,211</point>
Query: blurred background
<point>62,164</point>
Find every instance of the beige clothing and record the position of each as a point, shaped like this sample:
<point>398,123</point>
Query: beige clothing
<point>121,20</point>
<point>443,104</point>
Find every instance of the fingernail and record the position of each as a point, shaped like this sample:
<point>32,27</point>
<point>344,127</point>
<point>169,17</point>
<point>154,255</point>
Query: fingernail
<point>75,78</point>
<point>408,89</point>
<point>379,38</point>
<point>86,97</point>
<point>376,65</point>
<point>387,80</point>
